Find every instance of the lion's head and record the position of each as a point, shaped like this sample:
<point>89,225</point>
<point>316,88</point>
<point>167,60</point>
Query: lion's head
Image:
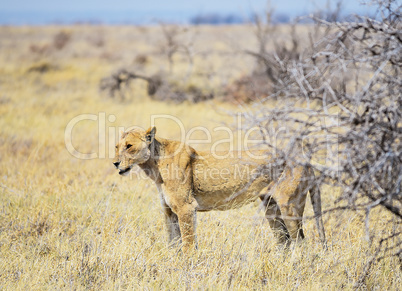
<point>133,149</point>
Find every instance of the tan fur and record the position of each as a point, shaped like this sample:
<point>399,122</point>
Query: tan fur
<point>189,181</point>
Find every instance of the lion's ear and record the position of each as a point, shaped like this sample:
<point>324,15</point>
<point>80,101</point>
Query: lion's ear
<point>150,134</point>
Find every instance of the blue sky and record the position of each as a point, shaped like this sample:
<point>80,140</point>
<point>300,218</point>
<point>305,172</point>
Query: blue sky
<point>18,11</point>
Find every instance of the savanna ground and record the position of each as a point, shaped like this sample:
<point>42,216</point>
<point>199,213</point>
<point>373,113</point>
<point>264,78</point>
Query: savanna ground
<point>73,223</point>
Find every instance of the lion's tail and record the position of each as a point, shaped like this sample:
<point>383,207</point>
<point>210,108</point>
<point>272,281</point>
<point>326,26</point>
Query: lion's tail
<point>315,196</point>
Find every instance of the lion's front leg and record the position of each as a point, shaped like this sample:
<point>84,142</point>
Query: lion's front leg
<point>187,222</point>
<point>181,218</point>
<point>172,226</point>
<point>178,195</point>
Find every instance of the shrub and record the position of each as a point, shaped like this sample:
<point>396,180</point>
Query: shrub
<point>342,96</point>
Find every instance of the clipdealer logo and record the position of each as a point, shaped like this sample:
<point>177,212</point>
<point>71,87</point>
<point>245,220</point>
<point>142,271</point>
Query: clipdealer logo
<point>235,141</point>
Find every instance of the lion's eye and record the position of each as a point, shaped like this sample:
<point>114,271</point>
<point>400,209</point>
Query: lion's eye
<point>129,146</point>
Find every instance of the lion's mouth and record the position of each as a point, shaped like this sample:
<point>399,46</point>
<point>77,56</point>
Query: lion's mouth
<point>122,172</point>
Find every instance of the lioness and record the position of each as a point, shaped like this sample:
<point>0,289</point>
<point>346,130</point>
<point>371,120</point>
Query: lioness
<point>189,181</point>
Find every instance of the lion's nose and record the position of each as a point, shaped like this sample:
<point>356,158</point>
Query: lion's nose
<point>116,164</point>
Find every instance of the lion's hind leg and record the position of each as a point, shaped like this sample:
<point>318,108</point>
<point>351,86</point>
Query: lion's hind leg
<point>273,215</point>
<point>290,194</point>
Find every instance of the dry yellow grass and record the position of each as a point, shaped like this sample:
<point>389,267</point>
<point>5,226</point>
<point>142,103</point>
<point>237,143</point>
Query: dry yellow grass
<point>76,224</point>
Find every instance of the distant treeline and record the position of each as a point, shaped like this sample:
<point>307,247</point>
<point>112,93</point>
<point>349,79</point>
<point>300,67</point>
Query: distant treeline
<point>216,18</point>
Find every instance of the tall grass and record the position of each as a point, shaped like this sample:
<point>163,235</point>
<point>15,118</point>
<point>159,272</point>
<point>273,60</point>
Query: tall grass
<point>71,223</point>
